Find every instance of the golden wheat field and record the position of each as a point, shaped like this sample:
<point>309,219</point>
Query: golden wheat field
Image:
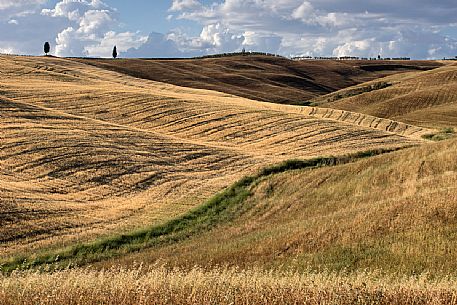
<point>222,199</point>
<point>160,285</point>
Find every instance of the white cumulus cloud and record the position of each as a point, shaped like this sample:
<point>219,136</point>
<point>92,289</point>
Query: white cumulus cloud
<point>179,5</point>
<point>73,27</point>
<point>334,28</point>
<point>92,29</point>
<point>9,4</point>
<point>412,28</point>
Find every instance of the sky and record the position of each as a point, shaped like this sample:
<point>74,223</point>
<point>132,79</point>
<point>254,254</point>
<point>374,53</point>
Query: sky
<point>420,29</point>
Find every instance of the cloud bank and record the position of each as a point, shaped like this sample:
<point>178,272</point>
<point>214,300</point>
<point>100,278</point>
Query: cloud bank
<point>411,28</point>
<point>367,28</point>
<point>75,28</point>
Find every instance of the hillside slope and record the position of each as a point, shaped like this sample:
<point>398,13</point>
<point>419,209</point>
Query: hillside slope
<point>422,98</point>
<point>261,78</point>
<point>393,214</point>
<point>87,152</point>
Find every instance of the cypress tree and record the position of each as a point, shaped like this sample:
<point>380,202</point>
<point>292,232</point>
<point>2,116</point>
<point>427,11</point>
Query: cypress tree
<point>47,48</point>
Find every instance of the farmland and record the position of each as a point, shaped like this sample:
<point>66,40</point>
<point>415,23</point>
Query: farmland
<point>419,98</point>
<point>92,140</point>
<point>101,163</point>
<point>267,79</point>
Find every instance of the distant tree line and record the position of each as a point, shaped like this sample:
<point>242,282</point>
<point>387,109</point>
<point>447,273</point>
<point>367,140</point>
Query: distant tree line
<point>242,53</point>
<point>348,58</point>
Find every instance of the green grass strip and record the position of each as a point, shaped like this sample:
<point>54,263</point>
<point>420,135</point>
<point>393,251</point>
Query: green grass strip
<point>220,209</point>
<point>443,134</point>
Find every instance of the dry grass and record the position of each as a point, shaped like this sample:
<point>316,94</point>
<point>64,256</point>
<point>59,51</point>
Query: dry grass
<point>263,78</point>
<point>395,213</point>
<point>159,285</point>
<point>419,98</point>
<point>87,152</point>
<point>220,209</point>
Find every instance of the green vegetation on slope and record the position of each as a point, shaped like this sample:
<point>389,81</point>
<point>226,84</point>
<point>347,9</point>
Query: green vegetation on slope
<point>394,214</point>
<point>220,209</point>
<point>443,134</point>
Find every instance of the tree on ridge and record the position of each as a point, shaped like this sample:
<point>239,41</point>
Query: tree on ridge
<point>47,48</point>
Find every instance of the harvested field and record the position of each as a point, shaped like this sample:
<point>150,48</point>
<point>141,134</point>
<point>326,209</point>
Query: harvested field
<point>87,152</point>
<point>394,214</point>
<point>420,98</point>
<point>63,175</point>
<point>102,168</point>
<point>262,78</point>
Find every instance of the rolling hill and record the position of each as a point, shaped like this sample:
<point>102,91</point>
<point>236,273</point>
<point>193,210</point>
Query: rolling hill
<point>392,214</point>
<point>252,202</point>
<point>426,98</point>
<point>87,152</point>
<point>263,78</point>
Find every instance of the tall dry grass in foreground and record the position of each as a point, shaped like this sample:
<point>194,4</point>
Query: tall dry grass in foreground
<point>159,285</point>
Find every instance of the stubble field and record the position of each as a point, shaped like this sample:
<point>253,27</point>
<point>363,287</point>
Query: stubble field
<point>92,154</point>
<point>87,152</point>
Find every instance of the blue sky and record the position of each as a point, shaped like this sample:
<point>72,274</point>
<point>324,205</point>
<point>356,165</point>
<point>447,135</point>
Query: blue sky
<point>183,28</point>
<point>150,16</point>
<point>147,16</point>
